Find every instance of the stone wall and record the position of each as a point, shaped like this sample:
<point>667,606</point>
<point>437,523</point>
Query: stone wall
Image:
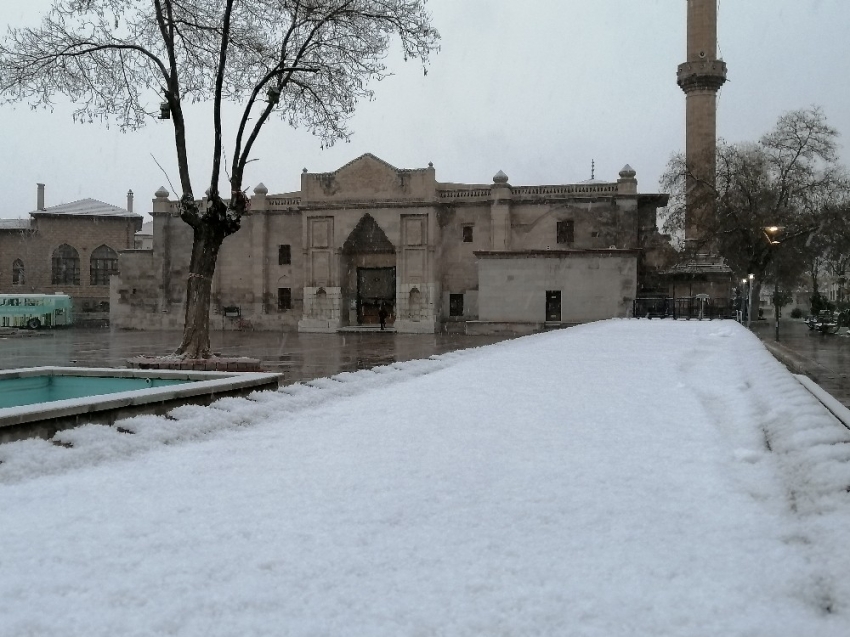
<point>593,285</point>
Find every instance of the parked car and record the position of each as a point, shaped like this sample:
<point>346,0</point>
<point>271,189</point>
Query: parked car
<point>826,321</point>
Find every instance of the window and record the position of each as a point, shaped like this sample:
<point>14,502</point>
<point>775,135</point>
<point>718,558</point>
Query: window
<point>104,263</point>
<point>455,304</point>
<point>284,298</point>
<point>18,277</point>
<point>65,266</point>
<point>284,254</point>
<point>467,234</point>
<point>566,231</point>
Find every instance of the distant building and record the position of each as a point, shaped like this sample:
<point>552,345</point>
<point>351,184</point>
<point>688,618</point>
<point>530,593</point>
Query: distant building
<point>71,248</point>
<point>144,237</point>
<point>433,255</point>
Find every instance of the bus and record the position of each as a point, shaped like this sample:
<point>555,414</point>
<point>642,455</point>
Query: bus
<point>35,310</point>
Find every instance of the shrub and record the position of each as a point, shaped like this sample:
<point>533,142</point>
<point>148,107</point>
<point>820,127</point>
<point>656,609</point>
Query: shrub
<point>796,313</point>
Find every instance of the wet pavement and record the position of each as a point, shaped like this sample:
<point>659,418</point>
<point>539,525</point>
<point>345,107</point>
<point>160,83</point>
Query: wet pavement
<point>825,358</point>
<point>298,357</point>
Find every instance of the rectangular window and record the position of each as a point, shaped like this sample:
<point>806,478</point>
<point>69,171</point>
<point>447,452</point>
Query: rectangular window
<point>455,304</point>
<point>284,254</point>
<point>566,231</point>
<point>467,234</point>
<point>284,299</point>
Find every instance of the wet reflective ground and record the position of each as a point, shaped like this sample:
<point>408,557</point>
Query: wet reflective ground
<point>298,356</point>
<point>827,354</point>
<point>306,356</point>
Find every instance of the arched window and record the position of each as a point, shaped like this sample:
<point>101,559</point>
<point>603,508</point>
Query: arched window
<point>66,266</point>
<point>104,263</point>
<point>18,277</point>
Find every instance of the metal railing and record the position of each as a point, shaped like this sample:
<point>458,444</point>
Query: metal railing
<point>683,308</point>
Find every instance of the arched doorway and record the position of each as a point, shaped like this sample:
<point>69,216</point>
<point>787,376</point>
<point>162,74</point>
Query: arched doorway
<point>368,274</point>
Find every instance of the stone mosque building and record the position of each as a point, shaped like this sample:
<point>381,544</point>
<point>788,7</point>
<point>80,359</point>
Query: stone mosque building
<point>433,255</point>
<point>370,238</point>
<point>438,255</point>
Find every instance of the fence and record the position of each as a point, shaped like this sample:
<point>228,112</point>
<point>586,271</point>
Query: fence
<point>698,308</point>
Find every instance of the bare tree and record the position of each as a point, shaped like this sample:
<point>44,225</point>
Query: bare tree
<point>129,61</point>
<point>790,179</point>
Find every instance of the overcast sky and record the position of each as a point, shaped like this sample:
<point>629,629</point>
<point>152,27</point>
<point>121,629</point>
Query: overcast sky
<point>537,89</point>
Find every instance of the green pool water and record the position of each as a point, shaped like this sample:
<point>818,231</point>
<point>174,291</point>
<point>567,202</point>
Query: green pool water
<point>15,392</point>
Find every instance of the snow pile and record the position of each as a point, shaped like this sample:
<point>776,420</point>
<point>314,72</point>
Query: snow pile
<point>620,478</point>
<point>93,443</point>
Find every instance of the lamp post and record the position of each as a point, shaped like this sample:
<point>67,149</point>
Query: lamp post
<point>750,300</point>
<point>770,233</point>
<point>743,299</point>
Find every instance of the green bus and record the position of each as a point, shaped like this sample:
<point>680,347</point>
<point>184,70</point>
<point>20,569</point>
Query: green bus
<point>35,310</point>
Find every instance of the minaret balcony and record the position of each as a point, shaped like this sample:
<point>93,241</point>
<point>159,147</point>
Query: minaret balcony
<point>701,75</point>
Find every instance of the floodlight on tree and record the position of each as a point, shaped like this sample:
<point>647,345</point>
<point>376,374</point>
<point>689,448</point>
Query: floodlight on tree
<point>164,111</point>
<point>770,233</point>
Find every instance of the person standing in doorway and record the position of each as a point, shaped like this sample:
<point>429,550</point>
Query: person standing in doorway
<point>382,315</point>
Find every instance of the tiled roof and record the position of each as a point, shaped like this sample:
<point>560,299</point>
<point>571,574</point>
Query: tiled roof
<point>86,208</point>
<point>14,224</point>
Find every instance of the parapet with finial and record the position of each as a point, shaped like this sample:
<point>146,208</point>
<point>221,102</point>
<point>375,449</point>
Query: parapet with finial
<point>627,183</point>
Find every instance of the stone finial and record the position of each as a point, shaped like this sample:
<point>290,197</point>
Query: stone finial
<point>627,184</point>
<point>162,193</point>
<point>261,189</point>
<point>430,164</point>
<point>627,172</point>
<point>500,178</point>
<point>304,171</point>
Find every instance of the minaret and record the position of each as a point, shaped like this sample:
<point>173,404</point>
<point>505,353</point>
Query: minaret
<point>700,78</point>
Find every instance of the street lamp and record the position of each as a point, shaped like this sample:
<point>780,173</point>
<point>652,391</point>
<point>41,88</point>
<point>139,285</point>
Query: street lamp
<point>743,299</point>
<point>770,233</point>
<point>750,300</point>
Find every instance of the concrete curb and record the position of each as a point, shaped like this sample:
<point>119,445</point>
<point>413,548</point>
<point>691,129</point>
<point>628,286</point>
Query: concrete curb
<point>795,363</point>
<point>835,408</point>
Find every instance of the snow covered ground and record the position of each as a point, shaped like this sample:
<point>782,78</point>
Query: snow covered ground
<point>621,478</point>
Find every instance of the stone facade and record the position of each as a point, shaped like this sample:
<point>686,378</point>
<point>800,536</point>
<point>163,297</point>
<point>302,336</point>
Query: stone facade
<point>34,250</point>
<point>370,236</point>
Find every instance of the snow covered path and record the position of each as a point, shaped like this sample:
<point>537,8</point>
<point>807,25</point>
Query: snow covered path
<point>620,478</point>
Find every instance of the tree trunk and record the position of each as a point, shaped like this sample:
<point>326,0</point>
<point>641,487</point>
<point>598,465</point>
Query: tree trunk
<point>196,328</point>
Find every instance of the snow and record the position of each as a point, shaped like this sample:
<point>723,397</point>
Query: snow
<point>621,478</point>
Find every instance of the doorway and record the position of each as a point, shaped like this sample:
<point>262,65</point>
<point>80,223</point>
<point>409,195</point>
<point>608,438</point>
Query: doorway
<point>553,306</point>
<point>375,290</point>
